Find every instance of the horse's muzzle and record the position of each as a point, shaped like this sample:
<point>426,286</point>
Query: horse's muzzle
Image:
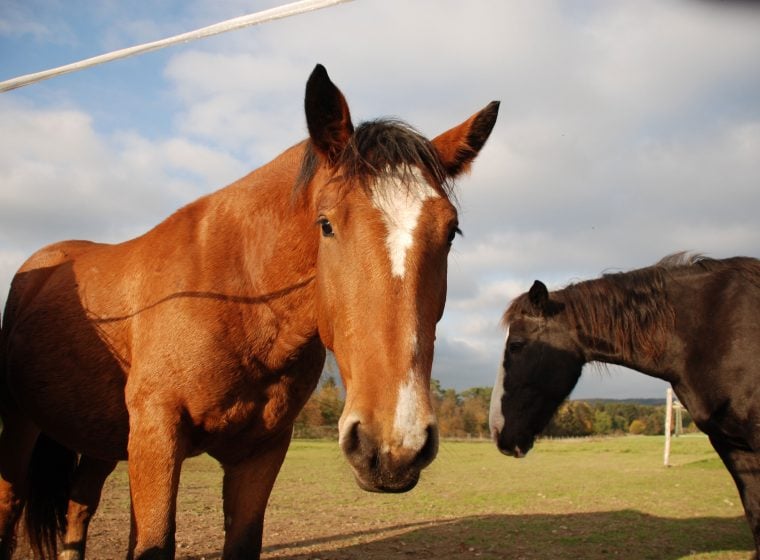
<point>511,446</point>
<point>379,467</point>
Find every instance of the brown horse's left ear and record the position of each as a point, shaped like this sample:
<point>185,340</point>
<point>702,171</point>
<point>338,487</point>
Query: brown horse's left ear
<point>327,114</point>
<point>459,146</point>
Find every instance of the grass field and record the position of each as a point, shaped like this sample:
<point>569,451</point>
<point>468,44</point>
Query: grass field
<point>589,499</point>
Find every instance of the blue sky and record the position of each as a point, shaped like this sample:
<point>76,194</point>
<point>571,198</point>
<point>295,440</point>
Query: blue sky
<point>628,130</point>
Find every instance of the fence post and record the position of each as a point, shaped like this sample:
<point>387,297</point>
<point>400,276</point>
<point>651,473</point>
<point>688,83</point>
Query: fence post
<point>668,424</point>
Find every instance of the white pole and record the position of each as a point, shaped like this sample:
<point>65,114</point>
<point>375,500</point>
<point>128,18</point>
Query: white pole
<point>278,12</point>
<point>678,429</point>
<point>668,424</point>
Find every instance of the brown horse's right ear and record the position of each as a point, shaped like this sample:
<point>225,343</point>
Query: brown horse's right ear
<point>327,114</point>
<point>459,146</point>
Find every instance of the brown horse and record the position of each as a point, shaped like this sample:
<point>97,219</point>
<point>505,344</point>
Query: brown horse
<point>691,321</point>
<point>208,334</point>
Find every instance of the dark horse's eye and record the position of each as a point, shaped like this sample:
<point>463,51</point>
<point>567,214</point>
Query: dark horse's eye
<point>327,229</point>
<point>453,233</point>
<point>514,346</point>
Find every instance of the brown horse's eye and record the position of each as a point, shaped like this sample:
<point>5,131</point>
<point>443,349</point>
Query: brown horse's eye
<point>453,233</point>
<point>327,229</point>
<point>514,346</point>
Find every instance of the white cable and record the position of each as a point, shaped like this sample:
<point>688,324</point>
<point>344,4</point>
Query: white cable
<point>278,12</point>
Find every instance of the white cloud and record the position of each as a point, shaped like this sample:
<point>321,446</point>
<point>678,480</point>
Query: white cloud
<point>61,180</point>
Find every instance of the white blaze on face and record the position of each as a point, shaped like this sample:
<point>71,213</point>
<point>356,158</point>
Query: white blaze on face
<point>496,416</point>
<point>401,205</point>
<point>409,425</point>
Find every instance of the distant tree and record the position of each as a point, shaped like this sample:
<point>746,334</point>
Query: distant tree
<point>319,417</point>
<point>450,417</point>
<point>572,419</point>
<point>330,402</point>
<point>602,422</point>
<point>655,422</point>
<point>475,405</point>
<point>637,427</point>
<point>436,392</point>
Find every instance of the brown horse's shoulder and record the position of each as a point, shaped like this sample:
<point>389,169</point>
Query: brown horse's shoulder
<point>34,274</point>
<point>56,254</point>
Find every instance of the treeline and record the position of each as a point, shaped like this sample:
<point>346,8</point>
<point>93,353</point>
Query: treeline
<point>465,415</point>
<point>599,417</point>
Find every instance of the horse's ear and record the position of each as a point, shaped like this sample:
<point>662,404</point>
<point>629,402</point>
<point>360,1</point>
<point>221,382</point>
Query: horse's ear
<point>327,114</point>
<point>538,296</point>
<point>539,299</point>
<point>459,146</point>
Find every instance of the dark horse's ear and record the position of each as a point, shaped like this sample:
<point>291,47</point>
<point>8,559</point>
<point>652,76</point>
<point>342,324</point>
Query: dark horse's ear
<point>459,146</point>
<point>327,114</point>
<point>539,296</point>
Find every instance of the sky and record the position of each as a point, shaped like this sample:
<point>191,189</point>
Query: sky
<point>628,130</point>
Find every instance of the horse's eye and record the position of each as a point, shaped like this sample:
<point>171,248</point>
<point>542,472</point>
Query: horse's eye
<point>327,229</point>
<point>514,346</point>
<point>453,233</point>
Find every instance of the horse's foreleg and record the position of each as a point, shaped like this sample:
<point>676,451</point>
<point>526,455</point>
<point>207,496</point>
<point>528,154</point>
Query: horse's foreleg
<point>744,467</point>
<point>155,460</point>
<point>17,441</point>
<point>89,478</point>
<point>247,486</point>
<point>132,533</point>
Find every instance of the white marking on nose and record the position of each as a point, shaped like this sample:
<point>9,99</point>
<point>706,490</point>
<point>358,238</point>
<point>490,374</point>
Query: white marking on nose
<point>346,421</point>
<point>401,204</point>
<point>410,427</point>
<point>496,416</point>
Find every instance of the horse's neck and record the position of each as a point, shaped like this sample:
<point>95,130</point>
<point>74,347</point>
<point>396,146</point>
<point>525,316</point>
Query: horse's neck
<point>630,339</point>
<point>251,243</point>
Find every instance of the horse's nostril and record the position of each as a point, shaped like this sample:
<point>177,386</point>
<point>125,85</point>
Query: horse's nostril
<point>351,439</point>
<point>428,451</point>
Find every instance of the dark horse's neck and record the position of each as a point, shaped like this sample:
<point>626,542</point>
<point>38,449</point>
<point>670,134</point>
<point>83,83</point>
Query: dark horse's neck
<point>661,320</point>
<point>625,319</point>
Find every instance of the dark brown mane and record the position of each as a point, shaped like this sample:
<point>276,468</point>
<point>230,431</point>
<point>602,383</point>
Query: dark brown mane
<point>377,149</point>
<point>631,308</point>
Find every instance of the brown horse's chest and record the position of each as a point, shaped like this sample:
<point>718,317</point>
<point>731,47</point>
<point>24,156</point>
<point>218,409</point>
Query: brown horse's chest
<point>255,403</point>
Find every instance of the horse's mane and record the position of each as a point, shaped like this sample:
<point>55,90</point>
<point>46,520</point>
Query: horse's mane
<point>376,150</point>
<point>631,307</point>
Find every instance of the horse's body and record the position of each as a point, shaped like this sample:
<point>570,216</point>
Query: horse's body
<point>208,334</point>
<point>693,322</point>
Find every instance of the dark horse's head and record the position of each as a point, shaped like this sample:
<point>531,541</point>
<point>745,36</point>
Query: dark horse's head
<point>542,363</point>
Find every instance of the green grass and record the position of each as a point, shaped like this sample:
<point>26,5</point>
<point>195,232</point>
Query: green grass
<point>588,498</point>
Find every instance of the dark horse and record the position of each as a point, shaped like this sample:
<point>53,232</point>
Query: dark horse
<point>208,334</point>
<point>692,321</point>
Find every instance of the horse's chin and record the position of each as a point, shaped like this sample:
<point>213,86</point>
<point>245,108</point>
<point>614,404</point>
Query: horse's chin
<point>387,484</point>
<point>517,450</point>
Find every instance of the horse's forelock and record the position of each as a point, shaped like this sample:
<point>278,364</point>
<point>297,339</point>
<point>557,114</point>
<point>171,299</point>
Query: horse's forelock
<point>519,306</point>
<point>377,150</point>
